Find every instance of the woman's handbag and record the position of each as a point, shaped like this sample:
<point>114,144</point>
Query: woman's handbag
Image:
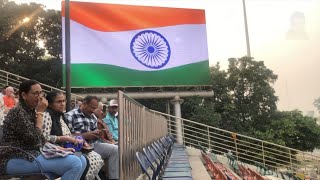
<point>82,147</point>
<point>50,151</point>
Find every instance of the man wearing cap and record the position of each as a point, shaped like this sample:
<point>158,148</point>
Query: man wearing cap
<point>111,120</point>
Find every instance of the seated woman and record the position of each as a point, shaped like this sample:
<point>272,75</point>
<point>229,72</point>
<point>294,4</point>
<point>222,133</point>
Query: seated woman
<point>55,130</point>
<point>23,129</point>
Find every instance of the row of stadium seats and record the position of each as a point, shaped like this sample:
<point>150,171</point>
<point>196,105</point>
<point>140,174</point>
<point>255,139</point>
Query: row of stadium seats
<point>166,159</point>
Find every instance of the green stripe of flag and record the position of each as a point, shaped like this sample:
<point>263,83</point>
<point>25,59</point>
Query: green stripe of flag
<point>102,75</point>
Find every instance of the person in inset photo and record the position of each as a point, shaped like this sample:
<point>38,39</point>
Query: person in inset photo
<point>297,29</point>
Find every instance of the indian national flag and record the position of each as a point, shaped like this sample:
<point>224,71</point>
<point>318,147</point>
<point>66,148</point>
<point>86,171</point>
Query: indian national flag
<point>125,45</point>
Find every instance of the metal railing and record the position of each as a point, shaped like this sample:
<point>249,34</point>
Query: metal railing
<point>138,128</point>
<point>14,80</point>
<point>246,149</point>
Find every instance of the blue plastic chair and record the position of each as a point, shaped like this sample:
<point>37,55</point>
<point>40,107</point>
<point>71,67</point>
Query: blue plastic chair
<point>145,165</point>
<point>152,157</point>
<point>152,160</point>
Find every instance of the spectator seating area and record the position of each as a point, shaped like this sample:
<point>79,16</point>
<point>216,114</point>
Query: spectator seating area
<point>164,159</point>
<point>215,167</point>
<point>24,176</point>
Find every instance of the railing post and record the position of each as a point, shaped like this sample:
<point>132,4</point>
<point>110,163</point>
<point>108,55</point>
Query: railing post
<point>177,112</point>
<point>121,136</point>
<point>263,158</point>
<point>290,160</point>
<point>169,118</point>
<point>182,124</point>
<point>208,129</point>
<point>234,135</point>
<point>304,160</point>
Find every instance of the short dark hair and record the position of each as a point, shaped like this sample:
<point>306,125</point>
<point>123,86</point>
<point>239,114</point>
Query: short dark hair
<point>89,98</point>
<point>52,95</point>
<point>25,87</point>
<point>5,87</point>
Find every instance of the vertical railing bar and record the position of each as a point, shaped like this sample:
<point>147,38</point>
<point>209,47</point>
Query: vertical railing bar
<point>236,146</point>
<point>263,158</point>
<point>120,140</point>
<point>208,129</point>
<point>182,124</point>
<point>290,160</point>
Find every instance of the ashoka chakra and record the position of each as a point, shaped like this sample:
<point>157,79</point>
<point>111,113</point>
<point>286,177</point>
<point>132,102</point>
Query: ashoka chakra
<point>151,49</point>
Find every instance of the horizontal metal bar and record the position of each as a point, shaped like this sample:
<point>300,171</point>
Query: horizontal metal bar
<point>225,136</point>
<point>157,95</point>
<point>240,145</point>
<point>188,130</point>
<point>196,137</point>
<point>185,125</point>
<point>241,157</point>
<point>279,151</point>
<point>206,133</point>
<point>191,143</point>
<point>43,85</point>
<point>238,135</point>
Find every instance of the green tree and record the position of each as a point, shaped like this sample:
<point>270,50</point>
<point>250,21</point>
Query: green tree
<point>19,35</point>
<point>243,94</point>
<point>51,32</point>
<point>246,102</point>
<point>154,104</point>
<point>201,110</point>
<point>222,99</point>
<point>292,129</point>
<point>317,104</point>
<point>23,28</point>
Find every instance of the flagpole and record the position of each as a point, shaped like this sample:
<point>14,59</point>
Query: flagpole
<point>67,54</point>
<point>246,28</point>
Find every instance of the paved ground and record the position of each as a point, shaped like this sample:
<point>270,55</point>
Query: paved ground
<point>199,171</point>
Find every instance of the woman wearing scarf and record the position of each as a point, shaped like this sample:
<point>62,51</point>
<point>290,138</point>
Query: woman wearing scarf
<point>56,131</point>
<point>23,128</point>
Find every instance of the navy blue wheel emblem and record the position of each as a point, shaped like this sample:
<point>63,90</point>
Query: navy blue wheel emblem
<point>151,49</point>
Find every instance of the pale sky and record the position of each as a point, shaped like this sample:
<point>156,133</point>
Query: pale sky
<point>297,62</point>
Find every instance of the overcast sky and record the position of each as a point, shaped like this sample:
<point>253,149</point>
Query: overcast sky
<point>297,62</point>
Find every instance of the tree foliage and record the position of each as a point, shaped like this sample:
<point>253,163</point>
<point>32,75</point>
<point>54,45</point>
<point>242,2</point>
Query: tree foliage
<point>246,101</point>
<point>19,39</point>
<point>292,129</point>
<point>243,94</point>
<point>51,31</point>
<point>23,30</point>
<point>317,104</point>
<point>200,110</point>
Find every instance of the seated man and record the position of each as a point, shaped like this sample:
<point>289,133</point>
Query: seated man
<point>9,100</point>
<point>111,120</point>
<point>105,135</point>
<point>81,121</point>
